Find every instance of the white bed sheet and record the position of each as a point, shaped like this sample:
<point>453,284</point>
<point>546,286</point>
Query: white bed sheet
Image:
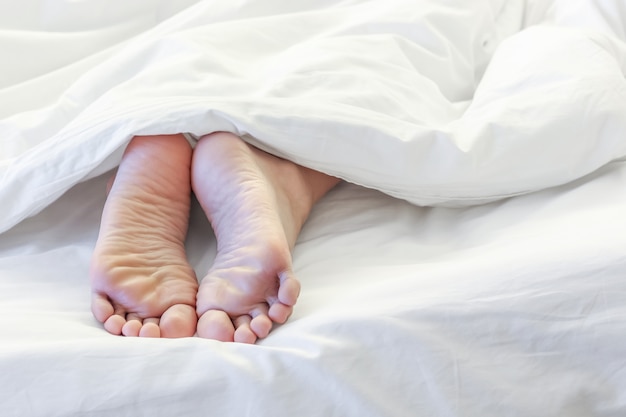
<point>512,308</point>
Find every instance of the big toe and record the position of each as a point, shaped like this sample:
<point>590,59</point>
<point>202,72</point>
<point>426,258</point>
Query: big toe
<point>216,325</point>
<point>178,321</point>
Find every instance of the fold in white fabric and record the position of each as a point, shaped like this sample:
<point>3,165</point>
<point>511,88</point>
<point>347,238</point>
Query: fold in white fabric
<point>433,102</point>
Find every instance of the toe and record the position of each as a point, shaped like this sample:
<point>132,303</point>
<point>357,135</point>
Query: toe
<point>180,320</point>
<point>261,325</point>
<point>243,332</point>
<point>215,324</point>
<point>132,326</point>
<point>101,307</point>
<point>116,321</point>
<point>150,328</point>
<point>289,288</point>
<point>279,312</point>
<point>114,324</point>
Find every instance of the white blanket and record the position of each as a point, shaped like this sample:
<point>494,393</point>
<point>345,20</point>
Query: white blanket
<point>512,308</point>
<point>434,102</point>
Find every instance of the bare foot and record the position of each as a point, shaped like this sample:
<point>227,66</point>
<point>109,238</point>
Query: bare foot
<point>257,204</point>
<point>141,282</point>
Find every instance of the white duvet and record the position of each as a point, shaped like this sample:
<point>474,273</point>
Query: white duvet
<point>511,308</point>
<point>435,102</point>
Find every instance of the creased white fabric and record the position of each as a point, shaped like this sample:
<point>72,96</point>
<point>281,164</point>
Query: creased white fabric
<point>512,308</point>
<point>434,102</point>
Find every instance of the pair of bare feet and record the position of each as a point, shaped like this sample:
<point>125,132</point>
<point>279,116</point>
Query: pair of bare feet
<point>142,284</point>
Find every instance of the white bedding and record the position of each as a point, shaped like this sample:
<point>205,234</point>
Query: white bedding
<point>514,307</point>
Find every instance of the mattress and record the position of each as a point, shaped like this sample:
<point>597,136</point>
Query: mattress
<point>471,263</point>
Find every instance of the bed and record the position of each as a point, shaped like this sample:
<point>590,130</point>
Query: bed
<point>472,263</point>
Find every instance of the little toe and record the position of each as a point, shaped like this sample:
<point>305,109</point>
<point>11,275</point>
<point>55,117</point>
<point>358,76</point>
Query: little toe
<point>114,324</point>
<point>216,325</point>
<point>116,321</point>
<point>243,332</point>
<point>180,320</point>
<point>150,328</point>
<point>101,307</point>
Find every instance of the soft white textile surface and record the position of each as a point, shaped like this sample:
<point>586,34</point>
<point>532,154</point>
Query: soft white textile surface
<point>430,101</point>
<point>511,308</point>
<point>508,309</point>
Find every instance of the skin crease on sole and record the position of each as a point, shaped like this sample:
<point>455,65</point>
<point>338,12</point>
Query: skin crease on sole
<point>256,203</point>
